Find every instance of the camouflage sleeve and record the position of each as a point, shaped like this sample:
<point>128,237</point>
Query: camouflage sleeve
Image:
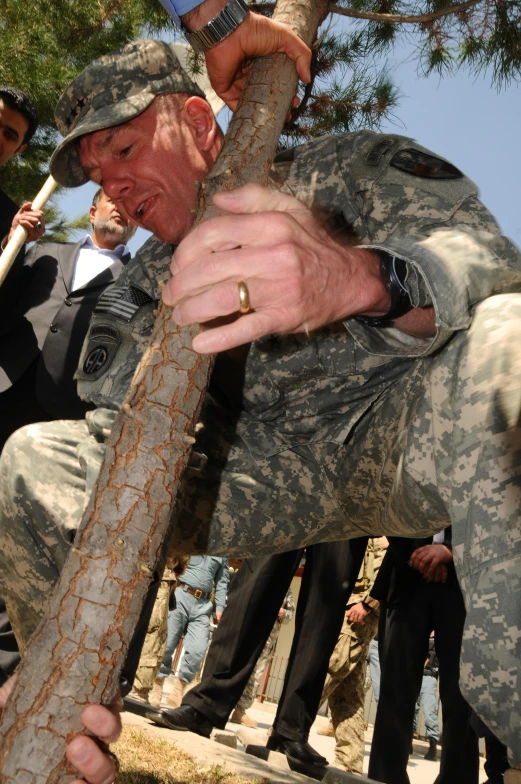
<point>378,553</point>
<point>419,207</point>
<point>288,605</point>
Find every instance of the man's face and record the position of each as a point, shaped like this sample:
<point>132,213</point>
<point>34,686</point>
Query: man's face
<point>13,127</point>
<point>107,221</point>
<point>149,166</point>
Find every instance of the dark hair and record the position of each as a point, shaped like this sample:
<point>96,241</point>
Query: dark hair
<point>20,102</point>
<point>97,197</point>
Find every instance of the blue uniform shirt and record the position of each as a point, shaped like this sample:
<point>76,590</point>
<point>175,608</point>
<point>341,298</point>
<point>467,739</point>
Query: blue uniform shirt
<point>205,570</point>
<point>176,8</point>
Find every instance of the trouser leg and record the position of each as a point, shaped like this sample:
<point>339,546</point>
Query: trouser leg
<point>429,701</point>
<point>496,760</point>
<point>407,629</point>
<point>345,690</point>
<point>459,751</point>
<point>346,703</point>
<point>42,492</point>
<point>329,576</point>
<point>196,640</point>
<point>254,599</point>
<point>155,640</point>
<point>177,624</point>
<point>374,668</point>
<point>252,687</point>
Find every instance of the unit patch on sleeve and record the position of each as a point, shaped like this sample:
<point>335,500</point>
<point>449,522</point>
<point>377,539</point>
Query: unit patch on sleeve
<point>421,164</point>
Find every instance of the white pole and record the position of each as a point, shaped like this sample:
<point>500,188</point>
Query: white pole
<point>20,234</point>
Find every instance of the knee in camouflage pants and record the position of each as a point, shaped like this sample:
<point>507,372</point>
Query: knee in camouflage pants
<point>344,689</point>
<point>441,446</point>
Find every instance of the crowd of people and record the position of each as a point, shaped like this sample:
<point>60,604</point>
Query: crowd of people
<point>364,309</point>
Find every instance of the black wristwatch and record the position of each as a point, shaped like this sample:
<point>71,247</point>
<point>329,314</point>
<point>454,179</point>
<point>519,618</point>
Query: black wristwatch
<point>393,272</point>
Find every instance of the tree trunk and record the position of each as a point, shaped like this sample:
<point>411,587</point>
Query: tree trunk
<point>77,652</point>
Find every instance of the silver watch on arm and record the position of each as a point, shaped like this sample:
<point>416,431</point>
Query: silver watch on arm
<point>220,27</point>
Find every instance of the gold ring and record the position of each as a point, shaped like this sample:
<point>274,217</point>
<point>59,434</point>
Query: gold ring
<point>244,297</point>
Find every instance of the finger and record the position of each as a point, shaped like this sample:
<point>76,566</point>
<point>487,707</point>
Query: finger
<point>295,48</point>
<point>254,198</point>
<point>90,761</point>
<point>102,722</point>
<point>228,232</point>
<point>244,330</point>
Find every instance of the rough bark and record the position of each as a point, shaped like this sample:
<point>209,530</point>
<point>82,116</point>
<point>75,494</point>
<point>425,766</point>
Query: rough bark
<point>76,654</point>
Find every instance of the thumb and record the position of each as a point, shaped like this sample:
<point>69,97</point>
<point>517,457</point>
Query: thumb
<point>256,198</point>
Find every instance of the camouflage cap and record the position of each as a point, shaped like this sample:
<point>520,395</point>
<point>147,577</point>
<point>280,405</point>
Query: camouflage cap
<point>111,90</point>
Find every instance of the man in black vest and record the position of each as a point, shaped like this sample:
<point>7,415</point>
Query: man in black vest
<point>45,306</point>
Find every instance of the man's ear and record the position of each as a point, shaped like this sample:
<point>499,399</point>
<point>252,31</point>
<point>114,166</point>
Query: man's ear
<point>199,117</point>
<point>21,148</point>
<point>92,213</point>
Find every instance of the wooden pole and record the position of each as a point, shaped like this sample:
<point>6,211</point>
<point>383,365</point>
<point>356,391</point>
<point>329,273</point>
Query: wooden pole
<point>20,234</point>
<point>77,652</point>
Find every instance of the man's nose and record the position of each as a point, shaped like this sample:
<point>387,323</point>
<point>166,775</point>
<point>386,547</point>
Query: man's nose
<point>116,186</point>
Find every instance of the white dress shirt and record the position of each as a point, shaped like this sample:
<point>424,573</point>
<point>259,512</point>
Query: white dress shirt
<point>93,260</point>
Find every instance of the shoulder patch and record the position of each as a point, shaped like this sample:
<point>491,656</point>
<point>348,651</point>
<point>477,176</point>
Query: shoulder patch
<point>421,164</point>
<point>122,302</point>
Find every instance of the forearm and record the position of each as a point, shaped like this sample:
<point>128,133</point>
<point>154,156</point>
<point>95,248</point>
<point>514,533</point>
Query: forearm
<point>202,13</point>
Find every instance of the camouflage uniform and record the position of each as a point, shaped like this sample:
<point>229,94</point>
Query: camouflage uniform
<point>252,687</point>
<point>352,430</point>
<point>345,683</point>
<point>155,640</point>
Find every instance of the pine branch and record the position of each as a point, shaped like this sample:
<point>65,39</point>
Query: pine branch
<point>388,18</point>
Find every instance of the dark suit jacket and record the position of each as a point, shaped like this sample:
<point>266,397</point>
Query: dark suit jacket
<point>8,209</point>
<point>42,321</point>
<point>397,580</point>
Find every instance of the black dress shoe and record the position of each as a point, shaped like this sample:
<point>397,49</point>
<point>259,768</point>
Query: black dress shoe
<point>302,758</point>
<point>183,718</point>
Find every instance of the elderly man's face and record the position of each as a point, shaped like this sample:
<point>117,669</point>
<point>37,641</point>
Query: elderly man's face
<point>149,167</point>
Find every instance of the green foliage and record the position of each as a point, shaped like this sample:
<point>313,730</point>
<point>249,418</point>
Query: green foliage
<point>59,229</point>
<point>45,43</point>
<point>350,88</point>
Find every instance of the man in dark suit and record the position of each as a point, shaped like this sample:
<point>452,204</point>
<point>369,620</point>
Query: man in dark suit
<point>45,306</point>
<point>422,594</point>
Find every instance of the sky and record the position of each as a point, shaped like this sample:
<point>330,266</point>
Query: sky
<point>461,117</point>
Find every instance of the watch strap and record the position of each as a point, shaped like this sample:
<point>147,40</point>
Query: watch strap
<point>393,272</point>
<point>220,27</point>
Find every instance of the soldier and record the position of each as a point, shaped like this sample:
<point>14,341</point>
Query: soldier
<point>148,688</point>
<point>377,391</point>
<point>345,684</point>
